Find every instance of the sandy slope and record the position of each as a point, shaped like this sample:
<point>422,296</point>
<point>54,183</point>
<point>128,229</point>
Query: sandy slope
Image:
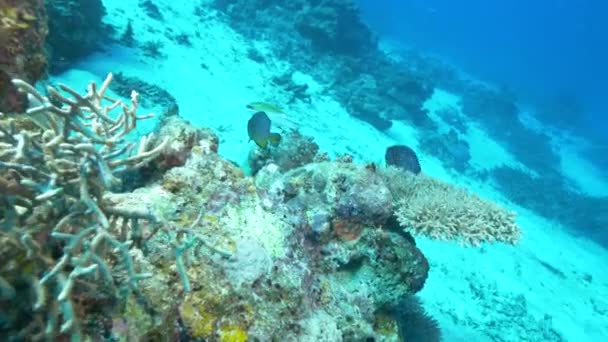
<point>476,294</point>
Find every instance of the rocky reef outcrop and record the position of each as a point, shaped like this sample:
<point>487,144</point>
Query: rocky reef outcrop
<point>23,32</point>
<point>75,30</point>
<point>192,247</point>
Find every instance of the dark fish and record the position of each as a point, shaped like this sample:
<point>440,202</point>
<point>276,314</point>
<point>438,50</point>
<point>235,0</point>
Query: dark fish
<point>258,129</point>
<point>403,157</point>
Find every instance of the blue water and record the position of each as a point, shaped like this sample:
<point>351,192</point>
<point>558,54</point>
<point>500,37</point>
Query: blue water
<point>544,50</point>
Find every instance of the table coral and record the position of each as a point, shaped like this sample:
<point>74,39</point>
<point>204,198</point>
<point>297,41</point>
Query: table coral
<point>441,211</point>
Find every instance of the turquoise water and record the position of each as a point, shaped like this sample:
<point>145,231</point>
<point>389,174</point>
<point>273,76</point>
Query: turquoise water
<point>501,235</point>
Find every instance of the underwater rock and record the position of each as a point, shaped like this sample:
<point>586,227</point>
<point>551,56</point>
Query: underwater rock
<point>363,102</point>
<point>449,149</point>
<point>23,33</point>
<point>249,262</point>
<point>200,251</point>
<point>393,267</point>
<point>209,178</point>
<point>348,191</point>
<point>498,112</point>
<point>149,93</point>
<point>553,198</point>
<point>151,9</point>
<point>410,92</point>
<point>335,26</point>
<point>75,30</point>
<point>184,139</point>
<point>339,210</point>
<point>294,151</point>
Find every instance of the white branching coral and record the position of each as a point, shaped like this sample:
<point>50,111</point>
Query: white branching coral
<point>56,162</point>
<point>429,207</point>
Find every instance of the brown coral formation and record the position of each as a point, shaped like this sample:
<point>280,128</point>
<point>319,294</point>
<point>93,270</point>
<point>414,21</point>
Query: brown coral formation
<point>23,30</point>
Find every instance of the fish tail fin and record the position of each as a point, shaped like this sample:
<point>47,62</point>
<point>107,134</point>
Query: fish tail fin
<point>263,143</point>
<point>274,138</point>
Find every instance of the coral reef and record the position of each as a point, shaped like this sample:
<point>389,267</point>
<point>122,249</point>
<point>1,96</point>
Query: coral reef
<point>152,94</point>
<point>23,32</point>
<point>75,30</point>
<point>304,250</point>
<point>449,148</point>
<point>438,210</point>
<point>56,229</point>
<point>364,102</point>
<point>183,138</point>
<point>151,9</point>
<point>335,26</point>
<point>294,151</point>
<point>499,114</point>
<point>555,199</point>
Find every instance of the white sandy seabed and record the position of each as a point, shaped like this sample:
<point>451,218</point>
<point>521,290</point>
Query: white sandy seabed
<point>476,294</point>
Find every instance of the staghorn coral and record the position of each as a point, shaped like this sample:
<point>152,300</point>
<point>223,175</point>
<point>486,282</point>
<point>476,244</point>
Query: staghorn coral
<point>429,207</point>
<point>58,234</point>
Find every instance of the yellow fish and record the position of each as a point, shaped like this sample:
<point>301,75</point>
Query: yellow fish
<point>264,107</point>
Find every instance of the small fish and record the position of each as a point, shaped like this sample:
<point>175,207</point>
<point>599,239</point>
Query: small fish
<point>258,129</point>
<point>403,157</point>
<point>276,115</point>
<point>264,107</point>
